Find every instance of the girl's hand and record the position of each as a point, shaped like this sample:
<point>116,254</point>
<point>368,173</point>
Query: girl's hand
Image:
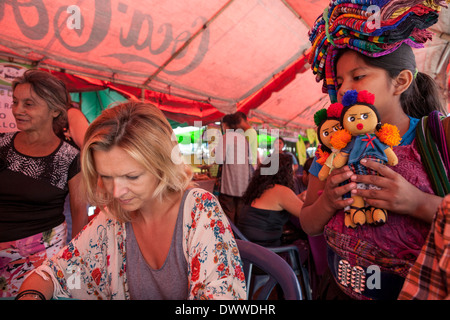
<point>324,198</point>
<point>333,192</point>
<point>396,194</point>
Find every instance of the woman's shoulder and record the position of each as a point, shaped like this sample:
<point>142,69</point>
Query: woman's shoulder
<point>7,134</point>
<point>201,211</point>
<point>69,149</point>
<point>315,167</point>
<point>6,138</point>
<point>282,190</point>
<point>198,195</point>
<point>102,239</point>
<point>195,192</point>
<point>277,193</point>
<point>410,135</point>
<point>101,222</point>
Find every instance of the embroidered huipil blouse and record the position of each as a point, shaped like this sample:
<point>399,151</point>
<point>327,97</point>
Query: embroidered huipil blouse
<point>93,264</point>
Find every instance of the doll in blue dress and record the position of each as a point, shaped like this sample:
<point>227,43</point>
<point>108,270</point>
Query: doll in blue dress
<point>363,136</point>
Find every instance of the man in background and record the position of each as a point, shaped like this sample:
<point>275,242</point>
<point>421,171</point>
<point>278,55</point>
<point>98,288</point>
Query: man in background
<point>250,134</point>
<point>232,153</point>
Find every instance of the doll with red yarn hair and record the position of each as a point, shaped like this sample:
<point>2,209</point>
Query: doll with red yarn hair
<point>327,122</point>
<point>363,136</point>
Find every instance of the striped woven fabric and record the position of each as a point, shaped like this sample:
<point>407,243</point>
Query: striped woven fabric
<point>371,27</point>
<point>431,143</point>
<point>439,136</point>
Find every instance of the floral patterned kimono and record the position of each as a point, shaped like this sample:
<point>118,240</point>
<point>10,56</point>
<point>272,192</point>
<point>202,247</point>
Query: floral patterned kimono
<point>93,265</point>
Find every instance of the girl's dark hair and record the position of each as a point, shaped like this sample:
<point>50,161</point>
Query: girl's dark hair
<point>423,95</point>
<point>260,183</point>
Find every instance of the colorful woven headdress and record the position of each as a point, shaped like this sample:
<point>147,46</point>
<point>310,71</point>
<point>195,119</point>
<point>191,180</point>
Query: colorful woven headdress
<point>371,27</point>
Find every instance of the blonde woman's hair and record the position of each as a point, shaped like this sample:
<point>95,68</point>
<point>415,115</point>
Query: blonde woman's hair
<point>141,130</point>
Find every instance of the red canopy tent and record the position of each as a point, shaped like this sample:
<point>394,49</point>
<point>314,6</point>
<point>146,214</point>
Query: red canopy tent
<point>197,60</point>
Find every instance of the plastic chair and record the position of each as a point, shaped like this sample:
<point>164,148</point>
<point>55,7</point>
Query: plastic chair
<point>294,261</point>
<point>276,269</point>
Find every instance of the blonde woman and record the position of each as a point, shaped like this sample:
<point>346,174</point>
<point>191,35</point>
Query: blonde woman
<point>156,237</point>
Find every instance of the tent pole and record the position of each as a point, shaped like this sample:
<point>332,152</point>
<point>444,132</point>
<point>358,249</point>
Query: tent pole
<point>195,35</point>
<point>296,13</point>
<point>442,35</point>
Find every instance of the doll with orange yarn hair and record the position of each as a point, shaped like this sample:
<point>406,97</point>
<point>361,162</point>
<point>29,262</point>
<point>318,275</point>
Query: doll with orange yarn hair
<point>327,122</point>
<point>363,136</point>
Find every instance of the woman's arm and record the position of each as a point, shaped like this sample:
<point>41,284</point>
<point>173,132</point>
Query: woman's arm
<point>396,194</point>
<point>78,125</point>
<point>289,201</point>
<point>215,268</point>
<point>323,199</point>
<point>36,282</point>
<point>78,205</point>
<point>91,266</point>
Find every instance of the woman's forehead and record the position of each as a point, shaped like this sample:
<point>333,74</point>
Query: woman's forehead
<point>350,60</point>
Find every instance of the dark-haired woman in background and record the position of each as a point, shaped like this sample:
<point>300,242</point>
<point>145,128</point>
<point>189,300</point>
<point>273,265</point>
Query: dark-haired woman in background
<point>38,171</point>
<point>268,203</point>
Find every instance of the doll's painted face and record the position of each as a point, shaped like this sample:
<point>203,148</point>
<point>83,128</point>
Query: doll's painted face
<point>328,128</point>
<point>360,119</point>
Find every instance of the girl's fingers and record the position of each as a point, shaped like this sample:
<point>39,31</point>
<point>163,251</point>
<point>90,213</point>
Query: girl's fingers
<point>393,190</point>
<point>340,175</point>
<point>335,190</point>
<point>385,178</point>
<point>382,169</point>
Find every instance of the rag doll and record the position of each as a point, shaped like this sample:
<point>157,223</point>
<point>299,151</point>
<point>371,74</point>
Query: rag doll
<point>363,136</point>
<point>327,122</point>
